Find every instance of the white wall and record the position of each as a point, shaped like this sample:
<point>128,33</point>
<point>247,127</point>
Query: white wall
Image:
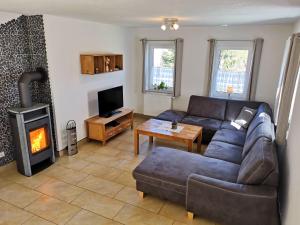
<point>75,95</point>
<point>5,16</point>
<point>291,199</point>
<point>195,59</point>
<point>297,26</point>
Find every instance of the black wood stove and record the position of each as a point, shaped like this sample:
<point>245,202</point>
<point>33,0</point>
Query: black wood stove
<point>31,128</point>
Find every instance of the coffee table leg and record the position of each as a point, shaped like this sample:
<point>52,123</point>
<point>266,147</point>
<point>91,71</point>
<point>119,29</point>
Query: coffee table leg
<point>136,142</point>
<point>190,146</point>
<point>150,139</point>
<point>199,141</point>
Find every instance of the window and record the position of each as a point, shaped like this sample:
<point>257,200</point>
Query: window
<point>159,66</point>
<point>231,69</point>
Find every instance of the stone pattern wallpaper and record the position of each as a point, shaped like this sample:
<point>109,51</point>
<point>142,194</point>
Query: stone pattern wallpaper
<point>22,49</point>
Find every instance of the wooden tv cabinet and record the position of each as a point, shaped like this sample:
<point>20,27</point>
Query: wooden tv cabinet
<point>102,129</point>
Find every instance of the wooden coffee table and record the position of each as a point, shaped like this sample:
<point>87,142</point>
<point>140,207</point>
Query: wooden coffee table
<point>152,128</point>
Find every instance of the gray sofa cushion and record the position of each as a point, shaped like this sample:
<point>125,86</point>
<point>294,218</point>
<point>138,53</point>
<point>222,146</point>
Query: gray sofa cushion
<point>231,126</point>
<point>265,108</point>
<point>259,163</point>
<point>234,108</point>
<point>224,151</point>
<point>230,136</point>
<point>265,129</point>
<point>210,126</point>
<point>259,119</point>
<point>207,107</point>
<point>170,115</point>
<point>169,169</point>
<point>206,123</point>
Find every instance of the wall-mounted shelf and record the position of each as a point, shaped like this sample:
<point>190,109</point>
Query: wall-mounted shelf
<point>92,64</point>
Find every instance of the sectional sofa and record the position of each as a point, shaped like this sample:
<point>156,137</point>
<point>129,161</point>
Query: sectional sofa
<point>235,181</point>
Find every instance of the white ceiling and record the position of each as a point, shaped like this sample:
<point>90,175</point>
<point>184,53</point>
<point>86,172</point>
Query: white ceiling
<point>150,12</point>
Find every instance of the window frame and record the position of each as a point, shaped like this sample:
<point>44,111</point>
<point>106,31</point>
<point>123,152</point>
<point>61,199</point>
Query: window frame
<point>149,64</point>
<point>231,45</point>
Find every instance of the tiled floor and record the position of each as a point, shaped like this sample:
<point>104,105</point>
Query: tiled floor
<point>94,187</point>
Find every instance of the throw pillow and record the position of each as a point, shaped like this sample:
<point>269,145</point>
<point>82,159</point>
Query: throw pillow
<point>245,117</point>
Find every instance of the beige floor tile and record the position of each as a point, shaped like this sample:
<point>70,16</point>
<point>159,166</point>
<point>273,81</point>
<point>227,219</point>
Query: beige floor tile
<point>11,215</point>
<point>128,139</point>
<point>98,204</point>
<point>129,156</point>
<point>179,223</point>
<point>88,218</point>
<point>65,174</point>
<point>125,146</point>
<point>130,195</point>
<point>18,195</point>
<point>84,150</point>
<point>35,220</point>
<point>100,186</point>
<point>52,209</point>
<point>134,215</point>
<point>179,213</point>
<point>129,165</point>
<point>8,167</point>
<point>31,182</point>
<point>72,162</point>
<point>105,160</point>
<point>60,190</point>
<point>4,182</point>
<point>126,178</point>
<point>105,172</point>
<point>90,146</point>
<point>112,142</point>
<point>107,150</point>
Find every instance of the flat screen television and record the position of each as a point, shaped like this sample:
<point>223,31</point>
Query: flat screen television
<point>109,101</point>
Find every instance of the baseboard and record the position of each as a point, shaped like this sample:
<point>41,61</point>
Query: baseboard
<point>140,115</point>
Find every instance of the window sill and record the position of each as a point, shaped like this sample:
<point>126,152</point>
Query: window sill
<point>170,93</point>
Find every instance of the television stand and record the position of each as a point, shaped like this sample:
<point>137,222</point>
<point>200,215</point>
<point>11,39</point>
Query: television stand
<point>104,128</point>
<point>112,113</point>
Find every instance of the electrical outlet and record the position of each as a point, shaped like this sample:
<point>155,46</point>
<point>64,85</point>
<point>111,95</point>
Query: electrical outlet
<point>2,154</point>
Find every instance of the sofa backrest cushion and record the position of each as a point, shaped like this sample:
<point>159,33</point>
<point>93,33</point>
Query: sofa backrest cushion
<point>257,120</point>
<point>234,108</point>
<point>260,166</point>
<point>207,107</point>
<point>265,108</point>
<point>265,129</point>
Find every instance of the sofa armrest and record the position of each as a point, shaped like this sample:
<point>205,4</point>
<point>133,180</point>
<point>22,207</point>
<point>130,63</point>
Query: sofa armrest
<point>170,115</point>
<point>231,203</point>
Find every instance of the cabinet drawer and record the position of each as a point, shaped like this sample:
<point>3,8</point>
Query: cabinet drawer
<point>110,134</point>
<point>126,125</point>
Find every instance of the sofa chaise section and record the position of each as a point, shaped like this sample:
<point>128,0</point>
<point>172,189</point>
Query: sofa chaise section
<point>165,171</point>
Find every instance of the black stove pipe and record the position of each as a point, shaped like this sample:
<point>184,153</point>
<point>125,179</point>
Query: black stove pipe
<point>23,83</point>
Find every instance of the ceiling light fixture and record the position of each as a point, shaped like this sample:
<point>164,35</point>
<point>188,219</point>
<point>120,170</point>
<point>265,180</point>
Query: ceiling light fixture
<point>163,27</point>
<point>170,23</point>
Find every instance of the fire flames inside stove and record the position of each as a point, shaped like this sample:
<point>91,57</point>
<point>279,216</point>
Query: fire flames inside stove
<point>38,140</point>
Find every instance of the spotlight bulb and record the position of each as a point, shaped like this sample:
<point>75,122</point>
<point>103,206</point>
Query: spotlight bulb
<point>163,27</point>
<point>175,26</point>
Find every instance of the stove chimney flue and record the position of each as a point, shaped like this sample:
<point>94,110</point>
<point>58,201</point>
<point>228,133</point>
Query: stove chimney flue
<point>24,82</point>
